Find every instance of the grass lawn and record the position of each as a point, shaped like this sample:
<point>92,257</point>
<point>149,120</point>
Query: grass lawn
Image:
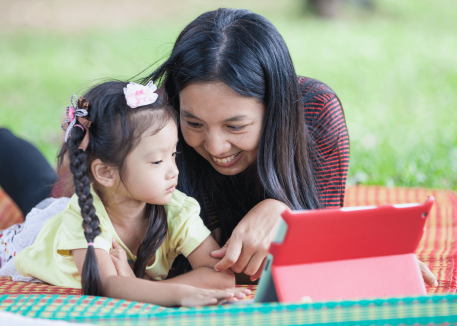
<point>394,69</point>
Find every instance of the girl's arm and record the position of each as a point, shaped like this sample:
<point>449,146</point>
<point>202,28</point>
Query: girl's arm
<point>160,293</point>
<point>203,274</point>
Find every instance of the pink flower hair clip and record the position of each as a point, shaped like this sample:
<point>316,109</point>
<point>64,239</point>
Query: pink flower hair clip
<point>139,95</point>
<point>74,111</point>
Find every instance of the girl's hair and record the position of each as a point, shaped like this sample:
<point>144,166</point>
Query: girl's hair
<point>115,130</point>
<point>246,52</point>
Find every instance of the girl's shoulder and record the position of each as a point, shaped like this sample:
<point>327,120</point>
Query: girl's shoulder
<point>181,206</point>
<point>73,210</point>
<point>186,230</point>
<point>70,234</point>
<point>71,220</point>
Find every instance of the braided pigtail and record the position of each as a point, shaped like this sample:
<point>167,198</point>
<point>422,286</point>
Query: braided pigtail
<point>90,276</point>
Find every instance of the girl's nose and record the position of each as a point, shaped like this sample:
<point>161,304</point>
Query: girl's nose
<point>172,171</point>
<point>216,144</point>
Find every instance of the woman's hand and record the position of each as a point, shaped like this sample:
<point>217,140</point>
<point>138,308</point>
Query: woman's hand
<point>428,276</point>
<point>120,260</point>
<point>248,246</point>
<point>192,296</point>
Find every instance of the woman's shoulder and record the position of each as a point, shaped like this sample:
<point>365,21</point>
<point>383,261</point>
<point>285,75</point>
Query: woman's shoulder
<point>311,87</point>
<point>320,103</point>
<point>315,94</point>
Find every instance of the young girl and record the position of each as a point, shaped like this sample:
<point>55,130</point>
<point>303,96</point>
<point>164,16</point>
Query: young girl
<point>121,140</point>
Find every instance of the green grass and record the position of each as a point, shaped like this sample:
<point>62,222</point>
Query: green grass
<point>395,71</point>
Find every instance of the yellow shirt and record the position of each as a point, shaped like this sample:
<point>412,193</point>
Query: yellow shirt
<point>49,258</point>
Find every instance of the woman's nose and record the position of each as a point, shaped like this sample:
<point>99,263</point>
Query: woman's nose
<point>216,144</point>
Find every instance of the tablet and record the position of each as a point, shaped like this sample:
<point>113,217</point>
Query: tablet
<point>346,253</point>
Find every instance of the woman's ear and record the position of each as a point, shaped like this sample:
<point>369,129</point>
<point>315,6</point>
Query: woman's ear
<point>104,174</point>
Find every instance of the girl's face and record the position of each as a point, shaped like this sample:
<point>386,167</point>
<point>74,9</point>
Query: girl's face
<point>151,174</point>
<point>221,125</point>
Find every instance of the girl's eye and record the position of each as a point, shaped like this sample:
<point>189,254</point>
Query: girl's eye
<point>235,128</point>
<point>175,154</point>
<point>193,124</point>
<point>157,163</point>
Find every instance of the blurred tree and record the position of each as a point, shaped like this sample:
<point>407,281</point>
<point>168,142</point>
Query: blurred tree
<point>324,8</point>
<point>331,8</point>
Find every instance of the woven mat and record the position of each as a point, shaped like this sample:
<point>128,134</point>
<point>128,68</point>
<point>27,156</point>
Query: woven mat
<point>437,249</point>
<point>437,310</point>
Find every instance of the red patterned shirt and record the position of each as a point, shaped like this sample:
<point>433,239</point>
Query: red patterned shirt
<point>326,124</point>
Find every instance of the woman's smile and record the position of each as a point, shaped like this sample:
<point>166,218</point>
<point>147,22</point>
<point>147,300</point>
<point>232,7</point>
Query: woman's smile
<point>227,161</point>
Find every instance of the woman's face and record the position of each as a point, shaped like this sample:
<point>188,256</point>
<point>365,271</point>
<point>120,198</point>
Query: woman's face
<point>221,125</point>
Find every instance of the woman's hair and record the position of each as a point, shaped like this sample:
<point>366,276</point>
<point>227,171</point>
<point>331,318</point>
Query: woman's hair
<point>246,52</point>
<point>115,130</point>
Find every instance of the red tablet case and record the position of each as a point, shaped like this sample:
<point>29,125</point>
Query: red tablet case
<point>338,254</point>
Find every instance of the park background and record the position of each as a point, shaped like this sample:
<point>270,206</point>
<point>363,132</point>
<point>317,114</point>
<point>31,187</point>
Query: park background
<point>393,66</point>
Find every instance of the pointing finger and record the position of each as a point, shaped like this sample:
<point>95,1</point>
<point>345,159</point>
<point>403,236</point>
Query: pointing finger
<point>220,253</point>
<point>231,256</point>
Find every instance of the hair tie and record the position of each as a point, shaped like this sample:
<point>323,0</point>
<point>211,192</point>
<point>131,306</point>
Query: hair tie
<point>90,244</point>
<point>138,95</point>
<point>79,126</point>
<point>74,111</point>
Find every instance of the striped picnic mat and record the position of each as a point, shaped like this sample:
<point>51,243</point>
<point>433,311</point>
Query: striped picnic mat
<point>425,310</point>
<point>437,249</point>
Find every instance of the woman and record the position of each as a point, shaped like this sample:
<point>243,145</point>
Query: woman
<point>256,139</point>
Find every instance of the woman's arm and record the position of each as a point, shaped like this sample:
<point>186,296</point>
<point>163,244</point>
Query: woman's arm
<point>160,293</point>
<point>248,246</point>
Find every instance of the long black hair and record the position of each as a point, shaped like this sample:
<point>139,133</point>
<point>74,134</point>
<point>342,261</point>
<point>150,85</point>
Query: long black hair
<point>115,130</point>
<point>246,52</point>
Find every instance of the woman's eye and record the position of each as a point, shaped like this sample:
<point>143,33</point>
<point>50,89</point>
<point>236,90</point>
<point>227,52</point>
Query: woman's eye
<point>235,128</point>
<point>193,124</point>
<point>157,162</point>
<point>175,154</point>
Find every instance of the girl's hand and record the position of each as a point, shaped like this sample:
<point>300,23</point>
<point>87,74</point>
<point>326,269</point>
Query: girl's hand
<point>120,260</point>
<point>192,296</point>
<point>428,276</point>
<point>248,246</point>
